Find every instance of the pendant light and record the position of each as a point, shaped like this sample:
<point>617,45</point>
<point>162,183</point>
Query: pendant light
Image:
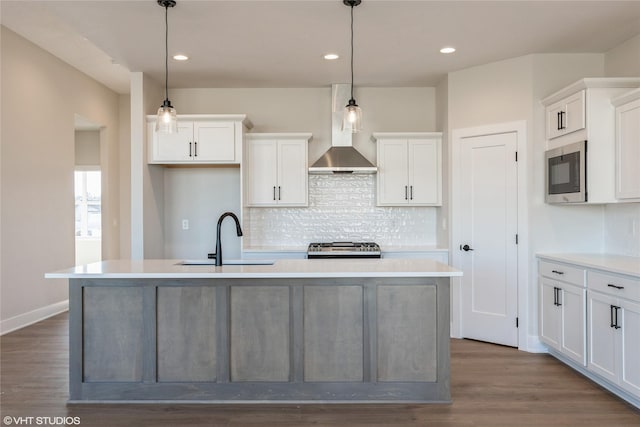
<point>167,121</point>
<point>352,118</point>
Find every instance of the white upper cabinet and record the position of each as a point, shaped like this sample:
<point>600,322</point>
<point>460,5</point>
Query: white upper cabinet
<point>409,169</point>
<point>276,169</point>
<point>628,146</point>
<point>583,111</point>
<point>566,115</point>
<point>202,139</point>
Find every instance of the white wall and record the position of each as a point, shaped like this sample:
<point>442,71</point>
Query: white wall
<point>87,148</point>
<point>624,59</point>
<point>124,220</point>
<point>200,195</point>
<point>442,124</point>
<point>40,97</point>
<point>147,182</point>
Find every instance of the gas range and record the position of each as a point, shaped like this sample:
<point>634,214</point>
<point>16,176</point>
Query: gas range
<point>344,250</point>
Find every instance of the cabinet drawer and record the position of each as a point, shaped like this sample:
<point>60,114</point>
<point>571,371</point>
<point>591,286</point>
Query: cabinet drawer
<point>613,284</point>
<point>563,272</point>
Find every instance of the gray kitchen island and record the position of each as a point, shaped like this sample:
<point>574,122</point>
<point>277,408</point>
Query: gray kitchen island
<point>346,330</point>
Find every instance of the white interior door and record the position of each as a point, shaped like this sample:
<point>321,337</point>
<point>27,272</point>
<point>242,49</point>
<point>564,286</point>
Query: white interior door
<point>489,286</point>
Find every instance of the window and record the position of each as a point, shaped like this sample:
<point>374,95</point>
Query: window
<point>88,194</point>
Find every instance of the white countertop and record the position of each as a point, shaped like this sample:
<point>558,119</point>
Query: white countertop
<point>384,249</point>
<point>284,268</point>
<point>611,263</point>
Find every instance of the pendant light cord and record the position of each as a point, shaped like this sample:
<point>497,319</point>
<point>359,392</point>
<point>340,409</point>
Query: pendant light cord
<point>351,51</point>
<point>166,52</point>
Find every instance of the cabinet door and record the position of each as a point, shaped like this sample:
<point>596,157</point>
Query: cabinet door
<point>553,120</point>
<point>629,319</point>
<point>602,336</point>
<point>172,147</point>
<point>214,141</point>
<point>393,181</point>
<point>573,323</point>
<point>566,115</point>
<point>424,172</point>
<point>628,151</point>
<point>574,117</point>
<point>292,173</point>
<point>261,172</point>
<point>549,314</point>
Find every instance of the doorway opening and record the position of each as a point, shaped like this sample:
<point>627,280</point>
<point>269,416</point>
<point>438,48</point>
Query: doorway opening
<point>87,192</point>
<point>88,211</point>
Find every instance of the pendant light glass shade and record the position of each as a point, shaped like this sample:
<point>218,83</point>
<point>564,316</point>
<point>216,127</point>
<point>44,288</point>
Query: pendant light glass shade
<point>352,117</point>
<point>167,121</point>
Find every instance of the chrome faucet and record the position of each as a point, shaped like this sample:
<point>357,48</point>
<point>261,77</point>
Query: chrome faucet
<point>218,243</point>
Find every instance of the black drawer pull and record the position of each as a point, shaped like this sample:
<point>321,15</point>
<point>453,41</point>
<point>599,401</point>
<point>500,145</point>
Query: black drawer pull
<point>611,285</point>
<point>557,272</point>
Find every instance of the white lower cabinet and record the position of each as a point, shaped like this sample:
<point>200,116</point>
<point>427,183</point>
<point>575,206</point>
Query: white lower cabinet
<point>597,326</point>
<point>614,340</point>
<point>563,318</point>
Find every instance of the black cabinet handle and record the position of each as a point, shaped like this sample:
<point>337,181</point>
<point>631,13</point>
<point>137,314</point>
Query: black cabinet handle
<point>190,154</point>
<point>562,126</point>
<point>405,193</point>
<point>558,121</point>
<point>559,302</point>
<point>274,192</point>
<point>557,272</point>
<point>195,146</point>
<point>614,317</point>
<point>611,285</point>
<point>279,192</point>
<point>555,296</point>
<point>411,191</point>
<point>612,322</point>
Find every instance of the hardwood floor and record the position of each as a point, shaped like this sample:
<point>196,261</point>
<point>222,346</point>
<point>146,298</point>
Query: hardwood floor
<point>491,385</point>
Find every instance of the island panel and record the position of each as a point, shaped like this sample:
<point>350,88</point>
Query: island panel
<point>112,333</point>
<point>186,333</point>
<point>260,333</point>
<point>333,333</point>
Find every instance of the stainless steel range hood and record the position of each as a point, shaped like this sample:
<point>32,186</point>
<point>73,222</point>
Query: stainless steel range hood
<point>341,157</point>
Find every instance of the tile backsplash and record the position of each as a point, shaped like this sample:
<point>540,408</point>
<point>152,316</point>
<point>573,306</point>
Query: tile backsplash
<point>341,208</point>
<point>622,229</point>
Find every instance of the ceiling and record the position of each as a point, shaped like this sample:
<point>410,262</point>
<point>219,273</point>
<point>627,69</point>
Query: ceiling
<point>281,43</point>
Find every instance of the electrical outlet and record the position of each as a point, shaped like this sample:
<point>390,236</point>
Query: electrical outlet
<point>185,224</point>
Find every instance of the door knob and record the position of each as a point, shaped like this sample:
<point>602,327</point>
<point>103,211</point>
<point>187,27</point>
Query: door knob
<point>465,248</point>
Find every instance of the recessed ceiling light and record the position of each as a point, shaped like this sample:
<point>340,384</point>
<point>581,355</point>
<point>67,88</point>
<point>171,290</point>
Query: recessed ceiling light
<point>331,56</point>
<point>180,57</point>
<point>447,50</point>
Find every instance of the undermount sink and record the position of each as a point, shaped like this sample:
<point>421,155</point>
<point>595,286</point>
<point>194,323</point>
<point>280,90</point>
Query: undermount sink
<point>227,262</point>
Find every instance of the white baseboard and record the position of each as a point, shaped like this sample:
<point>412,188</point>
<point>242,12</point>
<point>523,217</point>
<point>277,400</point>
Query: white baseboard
<point>20,321</point>
<point>534,345</point>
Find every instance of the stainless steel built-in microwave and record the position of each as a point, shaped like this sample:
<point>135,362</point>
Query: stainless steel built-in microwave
<point>566,174</point>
